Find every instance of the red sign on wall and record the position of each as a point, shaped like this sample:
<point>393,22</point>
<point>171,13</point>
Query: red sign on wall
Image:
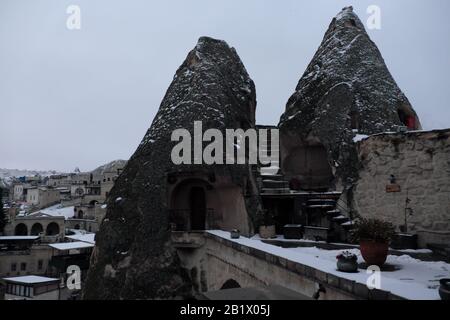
<point>390,188</point>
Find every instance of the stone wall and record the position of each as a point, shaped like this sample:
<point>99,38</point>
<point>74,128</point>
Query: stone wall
<point>420,163</point>
<point>29,257</point>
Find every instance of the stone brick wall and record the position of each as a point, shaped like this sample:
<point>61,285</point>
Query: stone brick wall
<point>420,162</point>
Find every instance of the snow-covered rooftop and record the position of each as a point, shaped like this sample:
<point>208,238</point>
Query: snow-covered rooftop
<point>414,279</point>
<point>88,237</point>
<point>30,279</point>
<point>56,211</point>
<point>19,237</point>
<point>71,245</point>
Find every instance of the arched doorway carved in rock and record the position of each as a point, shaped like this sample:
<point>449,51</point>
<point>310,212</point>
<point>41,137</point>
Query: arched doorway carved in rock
<point>193,205</point>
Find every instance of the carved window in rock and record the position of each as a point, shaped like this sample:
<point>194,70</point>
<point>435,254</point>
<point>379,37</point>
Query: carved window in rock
<point>354,120</point>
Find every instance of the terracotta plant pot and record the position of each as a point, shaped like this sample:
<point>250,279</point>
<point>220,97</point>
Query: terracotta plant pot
<point>374,253</point>
<point>267,232</point>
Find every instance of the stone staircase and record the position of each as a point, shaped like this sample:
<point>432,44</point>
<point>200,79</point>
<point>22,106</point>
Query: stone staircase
<point>274,184</point>
<point>325,220</point>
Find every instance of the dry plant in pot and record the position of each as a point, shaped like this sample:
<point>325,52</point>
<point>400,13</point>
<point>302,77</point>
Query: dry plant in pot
<point>374,236</point>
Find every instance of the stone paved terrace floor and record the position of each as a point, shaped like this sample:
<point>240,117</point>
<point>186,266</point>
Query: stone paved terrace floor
<point>406,277</point>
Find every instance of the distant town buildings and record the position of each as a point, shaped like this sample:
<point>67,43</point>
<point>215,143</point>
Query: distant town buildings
<point>51,225</point>
<point>32,288</point>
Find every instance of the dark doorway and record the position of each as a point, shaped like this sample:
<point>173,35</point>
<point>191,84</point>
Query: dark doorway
<point>282,211</point>
<point>197,208</point>
<point>230,284</point>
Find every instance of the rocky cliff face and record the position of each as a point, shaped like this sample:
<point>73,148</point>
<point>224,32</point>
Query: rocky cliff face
<point>346,88</point>
<point>133,257</point>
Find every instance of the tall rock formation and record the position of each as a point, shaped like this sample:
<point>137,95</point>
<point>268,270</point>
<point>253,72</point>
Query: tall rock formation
<point>134,257</point>
<point>346,89</point>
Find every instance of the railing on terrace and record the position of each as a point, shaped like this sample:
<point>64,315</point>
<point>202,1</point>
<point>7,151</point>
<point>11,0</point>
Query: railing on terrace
<point>180,219</point>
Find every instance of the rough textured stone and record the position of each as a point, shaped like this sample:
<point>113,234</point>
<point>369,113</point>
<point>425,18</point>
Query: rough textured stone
<point>346,86</point>
<point>429,196</point>
<point>211,86</point>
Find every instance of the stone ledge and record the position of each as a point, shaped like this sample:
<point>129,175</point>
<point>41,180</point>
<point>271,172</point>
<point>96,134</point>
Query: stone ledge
<point>350,287</point>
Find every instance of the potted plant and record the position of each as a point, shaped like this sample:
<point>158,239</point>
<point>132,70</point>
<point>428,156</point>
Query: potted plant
<point>444,289</point>
<point>374,236</point>
<point>267,228</point>
<point>347,262</point>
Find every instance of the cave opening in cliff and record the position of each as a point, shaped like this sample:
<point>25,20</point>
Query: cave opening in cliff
<point>189,204</point>
<point>408,118</point>
<point>308,168</point>
<point>198,202</point>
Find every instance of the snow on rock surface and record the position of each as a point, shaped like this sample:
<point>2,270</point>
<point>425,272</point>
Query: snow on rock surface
<point>360,137</point>
<point>346,86</point>
<point>211,86</point>
<point>416,279</point>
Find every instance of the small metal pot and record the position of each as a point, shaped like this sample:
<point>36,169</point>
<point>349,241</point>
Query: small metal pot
<point>347,265</point>
<point>235,234</point>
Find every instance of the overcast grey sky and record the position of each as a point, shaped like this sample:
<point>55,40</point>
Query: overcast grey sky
<point>84,97</point>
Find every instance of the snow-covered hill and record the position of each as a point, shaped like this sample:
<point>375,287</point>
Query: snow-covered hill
<point>110,167</point>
